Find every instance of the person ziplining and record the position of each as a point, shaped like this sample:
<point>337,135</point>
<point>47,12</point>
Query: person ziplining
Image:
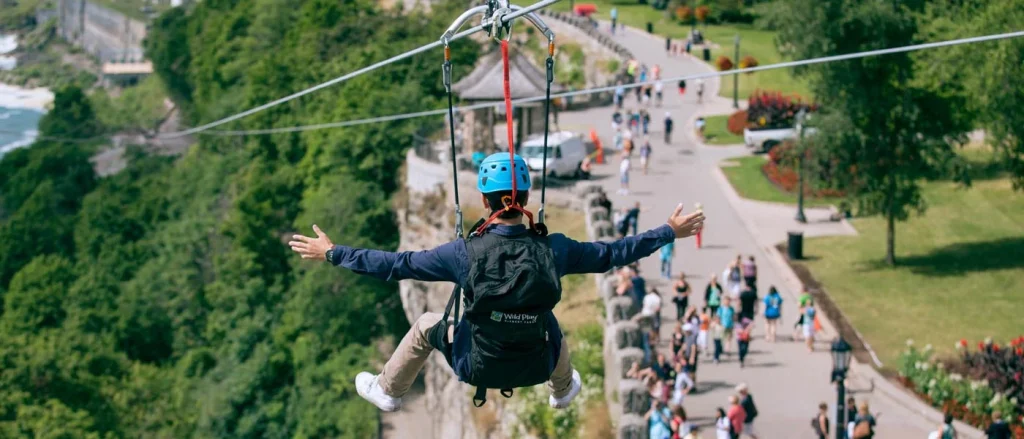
<point>511,277</point>
<point>510,274</point>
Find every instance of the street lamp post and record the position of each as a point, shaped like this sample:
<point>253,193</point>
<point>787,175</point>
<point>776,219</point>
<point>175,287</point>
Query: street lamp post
<point>841,356</point>
<point>800,217</point>
<point>736,77</point>
<point>693,22</point>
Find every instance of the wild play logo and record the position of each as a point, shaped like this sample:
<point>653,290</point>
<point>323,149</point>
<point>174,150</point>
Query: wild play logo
<point>501,317</point>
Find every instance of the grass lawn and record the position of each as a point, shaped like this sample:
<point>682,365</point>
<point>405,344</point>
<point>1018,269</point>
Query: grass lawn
<point>960,271</point>
<point>751,183</point>
<point>757,43</point>
<point>716,132</point>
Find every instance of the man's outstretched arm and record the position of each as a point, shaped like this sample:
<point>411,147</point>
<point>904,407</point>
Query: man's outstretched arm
<point>444,263</point>
<point>599,257</point>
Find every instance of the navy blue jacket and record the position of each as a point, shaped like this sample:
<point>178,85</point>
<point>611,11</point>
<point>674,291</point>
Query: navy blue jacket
<point>450,263</point>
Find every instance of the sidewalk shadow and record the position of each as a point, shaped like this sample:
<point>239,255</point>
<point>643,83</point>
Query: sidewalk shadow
<point>962,258</point>
<point>770,364</point>
<point>715,247</point>
<point>710,386</point>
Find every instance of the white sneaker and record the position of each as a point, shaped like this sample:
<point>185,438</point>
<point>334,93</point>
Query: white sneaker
<point>574,389</point>
<point>368,387</point>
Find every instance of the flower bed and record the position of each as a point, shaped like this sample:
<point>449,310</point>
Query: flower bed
<point>772,109</point>
<point>972,386</point>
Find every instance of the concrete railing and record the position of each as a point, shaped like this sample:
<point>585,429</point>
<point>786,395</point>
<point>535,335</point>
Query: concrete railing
<point>628,399</point>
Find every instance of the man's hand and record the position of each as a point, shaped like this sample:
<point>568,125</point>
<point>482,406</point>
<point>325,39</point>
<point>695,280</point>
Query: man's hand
<point>686,226</point>
<point>312,248</point>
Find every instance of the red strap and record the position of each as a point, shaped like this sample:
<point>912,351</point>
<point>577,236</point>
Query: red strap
<point>510,204</point>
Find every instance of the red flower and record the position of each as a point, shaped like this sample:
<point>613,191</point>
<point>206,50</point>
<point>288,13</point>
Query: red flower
<point>995,348</point>
<point>1020,352</point>
<point>963,342</point>
<point>981,345</point>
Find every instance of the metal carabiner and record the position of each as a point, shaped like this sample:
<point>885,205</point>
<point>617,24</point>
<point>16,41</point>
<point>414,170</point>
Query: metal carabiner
<point>497,27</point>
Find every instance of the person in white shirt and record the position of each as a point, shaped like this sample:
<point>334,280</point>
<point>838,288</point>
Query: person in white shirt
<point>652,308</point>
<point>682,385</point>
<point>624,174</point>
<point>657,92</point>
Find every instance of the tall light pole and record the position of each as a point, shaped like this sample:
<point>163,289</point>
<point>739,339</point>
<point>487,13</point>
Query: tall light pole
<point>841,356</point>
<point>800,117</point>
<point>693,22</point>
<point>736,77</point>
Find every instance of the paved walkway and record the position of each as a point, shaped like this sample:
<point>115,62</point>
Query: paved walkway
<point>786,380</point>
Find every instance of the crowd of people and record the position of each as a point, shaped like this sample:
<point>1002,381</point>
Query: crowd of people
<point>708,327</point>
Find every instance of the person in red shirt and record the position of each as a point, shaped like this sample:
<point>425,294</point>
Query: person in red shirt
<point>736,416</point>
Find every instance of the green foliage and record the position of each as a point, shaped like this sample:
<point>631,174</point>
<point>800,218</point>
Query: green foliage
<point>163,301</point>
<point>878,156</point>
<point>18,14</point>
<point>35,297</point>
<point>72,115</point>
<point>986,76</point>
<point>139,108</point>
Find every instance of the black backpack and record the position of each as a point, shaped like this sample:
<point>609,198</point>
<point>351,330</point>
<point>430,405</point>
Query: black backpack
<point>511,288</point>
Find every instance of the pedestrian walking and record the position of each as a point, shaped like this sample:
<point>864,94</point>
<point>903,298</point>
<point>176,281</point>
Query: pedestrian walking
<point>736,416</point>
<point>615,17</point>
<point>748,303</point>
<point>667,252</point>
<point>851,417</point>
<point>616,120</point>
<point>682,297</point>
<point>634,121</point>
<point>700,91</point>
<point>633,216</point>
<point>651,309</point>
<point>678,340</point>
<point>772,313</point>
<point>680,426</point>
<point>620,95</point>
<point>728,315</point>
<point>819,423</point>
<point>668,128</point>
<point>658,86</point>
<point>645,117</point>
<point>624,174</point>
<point>690,353</point>
<point>802,301</point>
<point>700,124</point>
<point>704,327</point>
<point>668,45</point>
<point>717,333</point>
<point>723,428</point>
<point>645,153</point>
<point>946,429</point>
<point>743,330</point>
<point>682,87</point>
<point>750,272</point>
<point>809,314</point>
<point>700,233</point>
<point>734,278</point>
<point>713,294</point>
<point>658,421</point>
<point>864,423</point>
<point>998,429</point>
<point>747,402</point>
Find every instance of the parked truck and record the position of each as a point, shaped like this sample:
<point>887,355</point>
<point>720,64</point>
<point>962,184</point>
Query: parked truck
<point>765,140</point>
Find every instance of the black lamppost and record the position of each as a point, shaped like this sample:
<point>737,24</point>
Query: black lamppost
<point>800,117</point>
<point>841,356</point>
<point>736,77</point>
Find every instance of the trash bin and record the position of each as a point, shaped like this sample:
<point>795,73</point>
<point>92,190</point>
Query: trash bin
<point>707,53</point>
<point>795,247</point>
<point>650,27</point>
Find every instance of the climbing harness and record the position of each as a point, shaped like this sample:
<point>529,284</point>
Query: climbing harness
<point>498,27</point>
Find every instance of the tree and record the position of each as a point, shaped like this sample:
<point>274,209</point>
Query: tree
<point>71,117</point>
<point>986,76</point>
<point>36,295</point>
<point>884,133</point>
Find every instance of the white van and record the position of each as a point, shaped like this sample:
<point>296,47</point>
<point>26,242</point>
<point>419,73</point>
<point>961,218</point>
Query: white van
<point>566,152</point>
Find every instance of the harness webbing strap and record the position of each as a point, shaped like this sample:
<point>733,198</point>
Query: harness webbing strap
<point>510,203</point>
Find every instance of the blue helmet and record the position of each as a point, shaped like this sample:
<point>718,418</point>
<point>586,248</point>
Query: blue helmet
<point>495,175</point>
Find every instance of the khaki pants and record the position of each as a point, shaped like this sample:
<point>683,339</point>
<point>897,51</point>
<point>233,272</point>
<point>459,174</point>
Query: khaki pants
<point>401,370</point>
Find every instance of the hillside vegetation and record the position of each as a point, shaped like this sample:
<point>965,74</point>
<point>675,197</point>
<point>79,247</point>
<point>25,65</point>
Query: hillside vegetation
<point>162,302</point>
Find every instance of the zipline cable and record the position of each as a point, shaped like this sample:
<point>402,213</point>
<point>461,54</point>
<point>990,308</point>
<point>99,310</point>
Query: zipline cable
<point>782,65</point>
<point>504,20</point>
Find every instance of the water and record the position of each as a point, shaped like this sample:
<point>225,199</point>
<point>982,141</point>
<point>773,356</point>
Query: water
<point>17,128</point>
<point>7,45</point>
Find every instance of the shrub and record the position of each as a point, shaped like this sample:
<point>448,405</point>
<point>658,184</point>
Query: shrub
<point>702,13</point>
<point>737,122</point>
<point>767,109</point>
<point>748,62</point>
<point>972,386</point>
<point>724,63</point>
<point>684,14</point>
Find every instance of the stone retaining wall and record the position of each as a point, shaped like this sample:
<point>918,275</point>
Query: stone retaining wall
<point>627,398</point>
<point>102,32</point>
